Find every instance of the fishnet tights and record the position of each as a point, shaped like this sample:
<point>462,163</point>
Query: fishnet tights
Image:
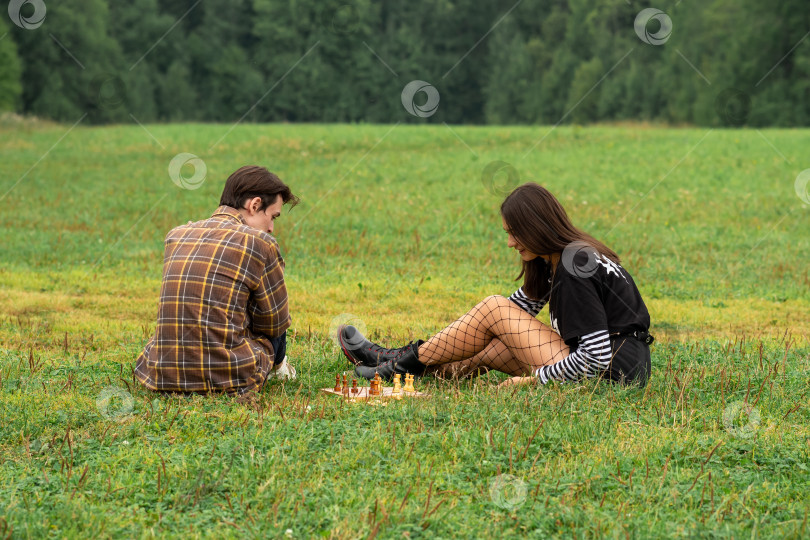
<point>495,334</point>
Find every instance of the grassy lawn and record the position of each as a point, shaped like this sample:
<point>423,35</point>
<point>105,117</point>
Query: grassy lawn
<point>399,229</point>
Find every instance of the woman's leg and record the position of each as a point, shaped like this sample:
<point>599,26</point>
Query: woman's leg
<point>495,356</point>
<point>527,343</point>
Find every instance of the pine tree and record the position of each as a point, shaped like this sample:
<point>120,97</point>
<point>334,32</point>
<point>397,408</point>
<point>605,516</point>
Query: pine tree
<point>10,71</point>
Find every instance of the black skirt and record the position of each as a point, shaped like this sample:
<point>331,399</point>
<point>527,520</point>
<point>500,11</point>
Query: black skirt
<point>630,361</point>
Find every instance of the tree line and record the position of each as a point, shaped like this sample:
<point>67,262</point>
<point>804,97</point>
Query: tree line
<point>715,62</point>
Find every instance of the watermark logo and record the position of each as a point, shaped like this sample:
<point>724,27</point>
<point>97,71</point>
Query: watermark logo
<point>580,259</point>
<point>642,24</point>
<point>802,186</point>
<point>741,419</point>
<point>339,18</point>
<point>500,178</point>
<point>109,91</point>
<point>114,403</point>
<point>344,338</point>
<point>32,21</point>
<point>176,171</point>
<point>507,491</point>
<point>428,108</point>
<point>733,106</point>
<point>39,445</point>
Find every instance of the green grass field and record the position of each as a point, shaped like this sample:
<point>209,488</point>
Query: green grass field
<point>398,229</point>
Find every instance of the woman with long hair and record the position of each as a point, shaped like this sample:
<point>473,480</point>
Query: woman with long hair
<point>599,323</point>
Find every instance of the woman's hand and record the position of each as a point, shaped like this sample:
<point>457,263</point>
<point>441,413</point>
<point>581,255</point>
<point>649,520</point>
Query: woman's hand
<point>517,381</point>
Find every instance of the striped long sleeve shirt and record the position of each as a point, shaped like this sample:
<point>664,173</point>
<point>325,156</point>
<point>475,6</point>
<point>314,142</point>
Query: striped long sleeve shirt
<point>529,305</point>
<point>591,358</point>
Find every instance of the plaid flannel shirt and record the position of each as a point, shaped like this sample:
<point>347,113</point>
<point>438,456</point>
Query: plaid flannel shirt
<point>222,296</point>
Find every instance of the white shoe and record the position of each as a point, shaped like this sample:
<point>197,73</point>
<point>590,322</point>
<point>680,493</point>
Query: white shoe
<point>285,372</point>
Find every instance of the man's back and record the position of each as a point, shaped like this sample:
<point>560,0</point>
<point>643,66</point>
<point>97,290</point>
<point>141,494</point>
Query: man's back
<point>222,298</point>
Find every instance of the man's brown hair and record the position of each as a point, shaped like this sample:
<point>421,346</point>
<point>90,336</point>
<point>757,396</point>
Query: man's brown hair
<point>253,181</point>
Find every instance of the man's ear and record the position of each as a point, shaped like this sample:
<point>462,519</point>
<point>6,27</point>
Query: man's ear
<point>253,205</point>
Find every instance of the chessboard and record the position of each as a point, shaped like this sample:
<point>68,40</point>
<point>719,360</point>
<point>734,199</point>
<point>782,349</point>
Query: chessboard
<point>376,392</point>
<point>363,393</point>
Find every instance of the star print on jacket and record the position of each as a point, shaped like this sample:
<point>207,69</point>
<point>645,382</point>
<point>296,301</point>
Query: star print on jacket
<point>610,266</point>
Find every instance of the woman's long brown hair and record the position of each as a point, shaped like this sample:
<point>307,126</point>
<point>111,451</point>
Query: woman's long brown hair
<point>538,221</point>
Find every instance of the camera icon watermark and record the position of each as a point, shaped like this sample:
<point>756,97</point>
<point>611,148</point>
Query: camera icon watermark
<point>339,18</point>
<point>32,21</point>
<point>500,178</point>
<point>114,403</point>
<point>741,419</point>
<point>344,338</point>
<point>108,90</point>
<point>580,259</point>
<point>733,106</point>
<point>39,445</point>
<point>802,186</point>
<point>176,171</point>
<point>642,23</point>
<point>431,104</point>
<point>507,491</point>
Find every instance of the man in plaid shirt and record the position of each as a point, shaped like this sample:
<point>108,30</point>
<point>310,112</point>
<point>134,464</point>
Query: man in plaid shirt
<point>223,313</point>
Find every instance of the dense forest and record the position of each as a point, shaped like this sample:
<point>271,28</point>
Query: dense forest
<point>714,62</point>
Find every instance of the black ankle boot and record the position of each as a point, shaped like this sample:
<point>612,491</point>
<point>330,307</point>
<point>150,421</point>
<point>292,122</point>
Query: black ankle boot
<point>406,361</point>
<point>360,351</point>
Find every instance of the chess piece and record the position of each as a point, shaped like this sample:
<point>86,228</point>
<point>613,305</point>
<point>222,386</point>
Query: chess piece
<point>337,383</point>
<point>376,385</point>
<point>345,386</point>
<point>409,383</point>
<point>397,393</point>
<point>354,386</point>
